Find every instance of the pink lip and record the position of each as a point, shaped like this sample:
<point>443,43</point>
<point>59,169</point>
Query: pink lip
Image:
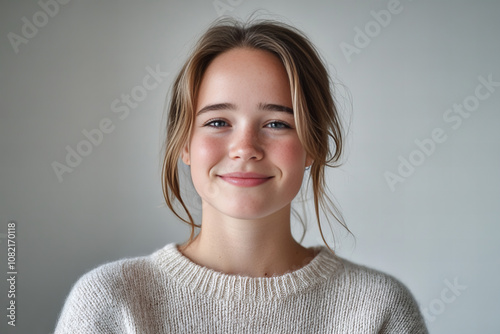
<point>245,179</point>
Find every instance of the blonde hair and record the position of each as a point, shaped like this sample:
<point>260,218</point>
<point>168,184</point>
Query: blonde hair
<point>316,116</point>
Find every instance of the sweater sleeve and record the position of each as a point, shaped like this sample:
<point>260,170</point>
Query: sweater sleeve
<point>96,304</point>
<point>403,314</point>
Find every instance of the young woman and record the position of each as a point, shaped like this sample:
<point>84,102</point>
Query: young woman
<point>250,112</point>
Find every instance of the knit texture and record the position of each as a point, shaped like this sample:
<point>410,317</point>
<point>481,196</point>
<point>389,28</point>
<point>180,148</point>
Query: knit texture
<point>167,293</point>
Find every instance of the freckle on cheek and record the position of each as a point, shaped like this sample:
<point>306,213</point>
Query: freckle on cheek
<point>290,152</point>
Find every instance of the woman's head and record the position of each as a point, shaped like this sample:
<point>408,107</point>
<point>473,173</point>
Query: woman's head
<point>245,157</point>
<point>316,119</point>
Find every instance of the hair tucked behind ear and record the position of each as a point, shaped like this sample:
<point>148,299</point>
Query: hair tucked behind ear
<point>316,116</point>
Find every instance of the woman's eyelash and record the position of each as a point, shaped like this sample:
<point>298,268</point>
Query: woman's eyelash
<point>216,123</point>
<point>279,125</point>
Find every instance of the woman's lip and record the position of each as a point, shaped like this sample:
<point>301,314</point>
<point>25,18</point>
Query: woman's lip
<point>245,179</point>
<point>245,175</point>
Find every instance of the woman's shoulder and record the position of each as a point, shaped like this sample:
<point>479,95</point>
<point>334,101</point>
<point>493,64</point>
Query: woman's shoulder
<point>112,275</point>
<point>370,281</point>
<point>103,296</point>
<point>374,294</point>
<point>365,275</point>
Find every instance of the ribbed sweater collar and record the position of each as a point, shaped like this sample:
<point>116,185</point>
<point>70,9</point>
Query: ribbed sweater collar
<point>217,285</point>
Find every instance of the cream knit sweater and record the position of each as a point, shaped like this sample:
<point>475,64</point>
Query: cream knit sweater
<point>167,293</point>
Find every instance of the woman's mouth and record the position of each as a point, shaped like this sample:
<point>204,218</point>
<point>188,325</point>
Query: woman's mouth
<point>245,179</point>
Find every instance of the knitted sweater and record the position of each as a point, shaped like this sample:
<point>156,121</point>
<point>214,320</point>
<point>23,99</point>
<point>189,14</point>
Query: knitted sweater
<point>167,293</point>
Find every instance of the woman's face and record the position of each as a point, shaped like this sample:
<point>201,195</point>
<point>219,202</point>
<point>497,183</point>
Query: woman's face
<point>246,159</point>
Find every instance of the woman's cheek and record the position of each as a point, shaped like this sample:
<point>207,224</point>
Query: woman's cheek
<point>291,153</point>
<point>206,148</point>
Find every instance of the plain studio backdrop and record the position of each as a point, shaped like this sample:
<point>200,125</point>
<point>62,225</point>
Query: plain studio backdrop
<point>83,88</point>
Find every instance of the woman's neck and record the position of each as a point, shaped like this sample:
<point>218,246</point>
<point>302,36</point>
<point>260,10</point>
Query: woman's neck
<point>257,248</point>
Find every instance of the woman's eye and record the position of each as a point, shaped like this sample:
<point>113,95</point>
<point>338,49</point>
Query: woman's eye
<point>216,123</point>
<point>277,125</point>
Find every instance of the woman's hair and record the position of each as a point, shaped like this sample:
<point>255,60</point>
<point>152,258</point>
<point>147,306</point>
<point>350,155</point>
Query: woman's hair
<point>316,116</point>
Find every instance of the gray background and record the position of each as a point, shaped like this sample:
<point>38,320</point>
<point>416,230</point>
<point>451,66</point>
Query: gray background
<point>438,227</point>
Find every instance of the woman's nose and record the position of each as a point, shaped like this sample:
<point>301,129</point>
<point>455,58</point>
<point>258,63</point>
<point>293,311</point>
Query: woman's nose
<point>246,145</point>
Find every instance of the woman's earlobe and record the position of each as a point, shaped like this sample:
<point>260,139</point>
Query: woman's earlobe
<point>185,155</point>
<point>309,162</point>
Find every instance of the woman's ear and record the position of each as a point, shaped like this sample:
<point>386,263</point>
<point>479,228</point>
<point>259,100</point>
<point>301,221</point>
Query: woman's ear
<point>185,155</point>
<point>309,161</point>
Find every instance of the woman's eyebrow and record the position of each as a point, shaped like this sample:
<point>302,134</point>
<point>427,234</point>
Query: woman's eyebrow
<point>217,106</point>
<point>275,107</point>
<point>230,106</point>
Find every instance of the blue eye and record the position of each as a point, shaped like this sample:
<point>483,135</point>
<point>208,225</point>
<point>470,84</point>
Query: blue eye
<point>277,125</point>
<point>216,123</point>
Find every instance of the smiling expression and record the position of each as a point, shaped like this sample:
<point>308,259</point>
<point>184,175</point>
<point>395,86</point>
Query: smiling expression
<point>246,159</point>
